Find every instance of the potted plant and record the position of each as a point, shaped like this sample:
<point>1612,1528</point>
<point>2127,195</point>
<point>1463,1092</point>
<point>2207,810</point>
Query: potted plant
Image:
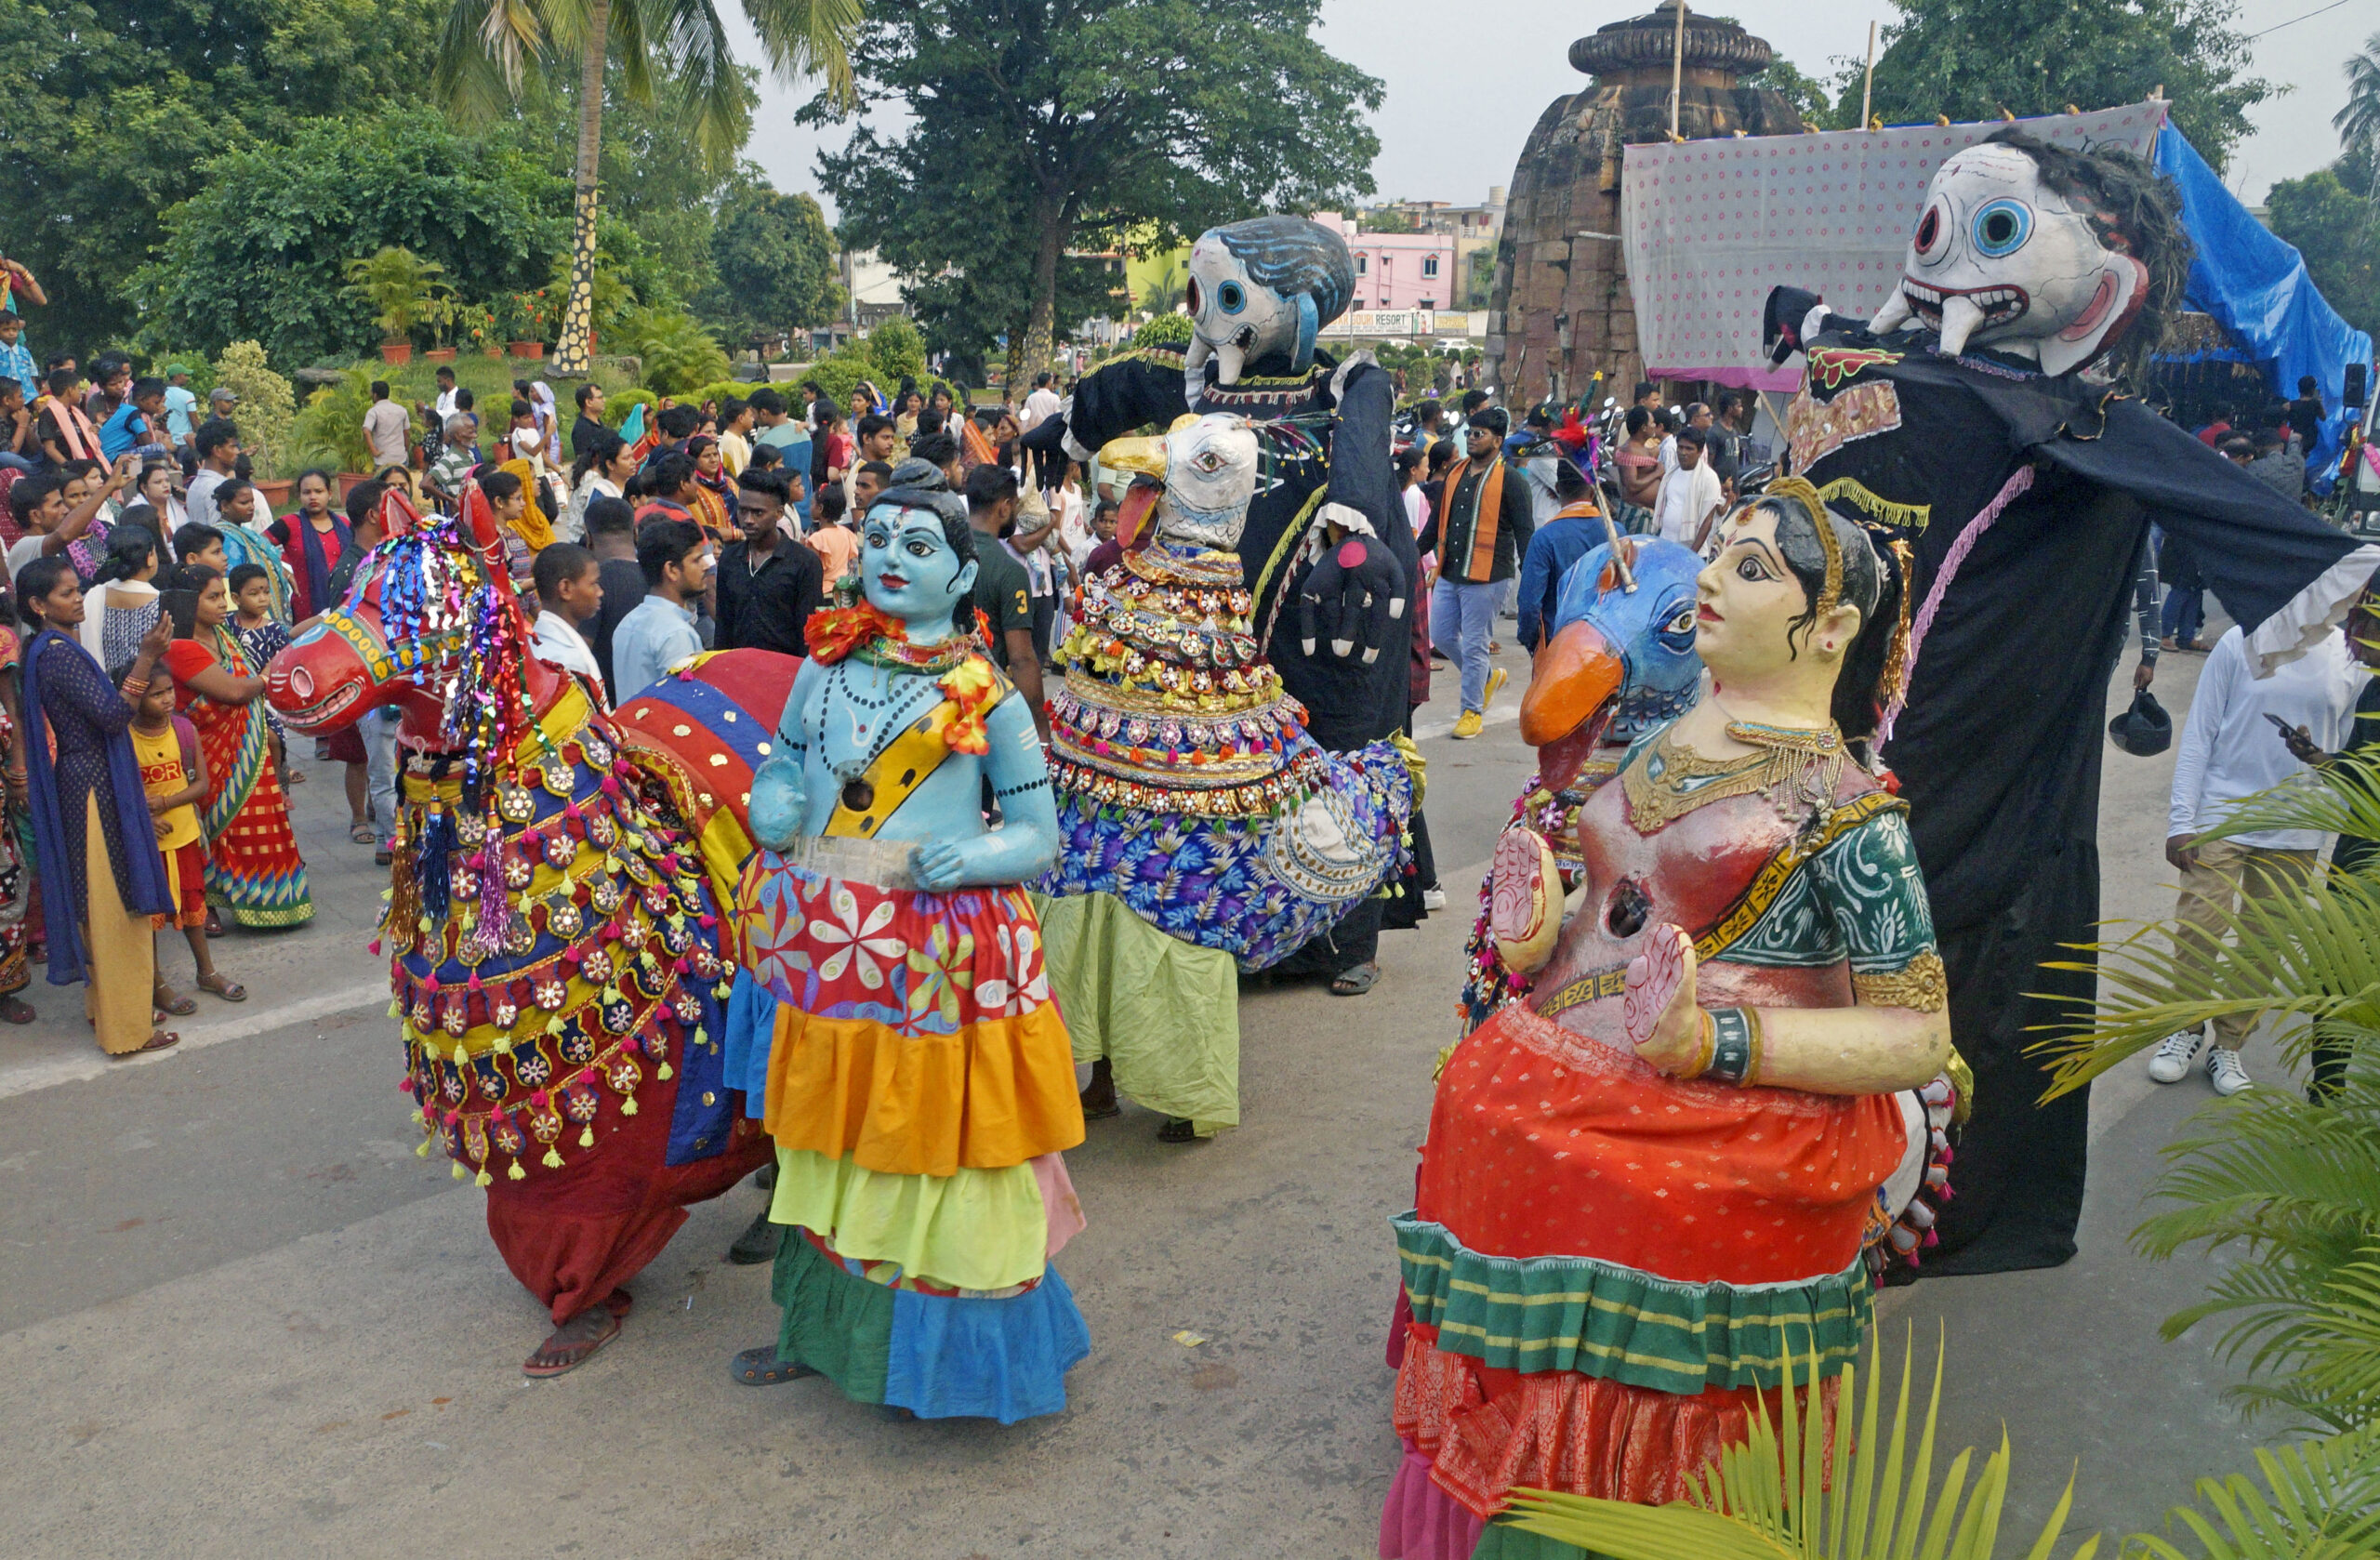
<point>475,322</point>
<point>530,315</point>
<point>403,291</point>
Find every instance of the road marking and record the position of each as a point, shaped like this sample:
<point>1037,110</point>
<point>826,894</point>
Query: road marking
<point>50,1072</point>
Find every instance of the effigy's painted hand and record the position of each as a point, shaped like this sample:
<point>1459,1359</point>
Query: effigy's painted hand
<point>939,866</point>
<point>778,803</point>
<point>1663,1023</point>
<point>1351,596</point>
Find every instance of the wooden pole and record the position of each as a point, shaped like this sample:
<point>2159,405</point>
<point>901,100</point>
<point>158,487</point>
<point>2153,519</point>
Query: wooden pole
<point>1868,87</point>
<point>1677,70</point>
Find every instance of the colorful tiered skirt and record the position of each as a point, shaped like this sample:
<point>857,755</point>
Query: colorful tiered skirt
<point>1603,1270</point>
<point>920,1088</point>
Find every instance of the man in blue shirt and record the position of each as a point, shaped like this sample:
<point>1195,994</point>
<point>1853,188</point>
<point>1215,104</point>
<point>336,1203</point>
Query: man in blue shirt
<point>675,557</point>
<point>16,358</point>
<point>1576,529</point>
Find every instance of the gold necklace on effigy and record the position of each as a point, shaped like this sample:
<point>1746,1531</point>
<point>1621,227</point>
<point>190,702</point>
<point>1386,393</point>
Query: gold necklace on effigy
<point>1675,779</point>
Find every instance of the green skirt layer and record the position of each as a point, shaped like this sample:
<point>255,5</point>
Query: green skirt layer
<point>980,1229</point>
<point>1502,1540</point>
<point>1623,1325</point>
<point>834,1323</point>
<point>1163,1012</point>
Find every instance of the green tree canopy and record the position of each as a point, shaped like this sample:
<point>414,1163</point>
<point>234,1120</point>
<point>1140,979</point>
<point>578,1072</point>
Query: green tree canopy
<point>1041,126</point>
<point>113,107</point>
<point>259,252</point>
<point>1971,58</point>
<point>775,262</point>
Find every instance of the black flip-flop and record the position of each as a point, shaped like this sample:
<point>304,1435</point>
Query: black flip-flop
<point>1179,1129</point>
<point>1354,981</point>
<point>761,1368</point>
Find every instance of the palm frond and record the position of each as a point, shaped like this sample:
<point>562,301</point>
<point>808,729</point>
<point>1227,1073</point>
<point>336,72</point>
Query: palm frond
<point>810,38</point>
<point>2308,959</point>
<point>1791,1492</point>
<point>693,37</point>
<point>485,49</point>
<point>2341,797</point>
<point>2319,1501</point>
<point>1786,1493</point>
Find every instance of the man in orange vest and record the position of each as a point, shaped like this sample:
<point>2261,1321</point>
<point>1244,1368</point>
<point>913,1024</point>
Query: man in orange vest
<point>1480,532</point>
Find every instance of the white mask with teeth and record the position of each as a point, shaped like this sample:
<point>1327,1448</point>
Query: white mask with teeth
<point>1999,259</point>
<point>1237,320</point>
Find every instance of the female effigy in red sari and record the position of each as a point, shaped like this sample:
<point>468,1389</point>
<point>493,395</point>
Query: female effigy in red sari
<point>1648,1182</point>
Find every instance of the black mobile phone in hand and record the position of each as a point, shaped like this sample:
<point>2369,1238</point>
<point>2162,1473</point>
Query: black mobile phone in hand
<point>2283,726</point>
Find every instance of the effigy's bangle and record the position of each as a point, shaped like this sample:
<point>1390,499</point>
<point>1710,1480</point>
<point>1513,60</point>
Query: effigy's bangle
<point>1703,1051</point>
<point>1735,1046</point>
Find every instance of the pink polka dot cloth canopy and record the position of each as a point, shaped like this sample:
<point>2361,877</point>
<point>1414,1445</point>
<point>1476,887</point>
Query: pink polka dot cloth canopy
<point>1711,226</point>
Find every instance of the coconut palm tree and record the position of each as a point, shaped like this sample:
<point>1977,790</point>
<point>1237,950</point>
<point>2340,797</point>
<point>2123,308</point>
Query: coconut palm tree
<point>2358,123</point>
<point>487,47</point>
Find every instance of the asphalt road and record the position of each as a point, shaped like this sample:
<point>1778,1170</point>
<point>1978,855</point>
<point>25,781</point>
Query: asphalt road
<point>239,1318</point>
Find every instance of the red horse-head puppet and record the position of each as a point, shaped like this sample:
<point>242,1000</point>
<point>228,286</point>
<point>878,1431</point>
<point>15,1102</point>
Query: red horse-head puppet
<point>432,622</point>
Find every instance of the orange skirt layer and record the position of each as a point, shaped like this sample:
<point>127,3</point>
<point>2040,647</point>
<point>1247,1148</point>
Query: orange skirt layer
<point>997,1093</point>
<point>1546,1143</point>
<point>1486,1430</point>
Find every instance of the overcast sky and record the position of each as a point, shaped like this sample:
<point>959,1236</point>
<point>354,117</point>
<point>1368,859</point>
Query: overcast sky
<point>1461,98</point>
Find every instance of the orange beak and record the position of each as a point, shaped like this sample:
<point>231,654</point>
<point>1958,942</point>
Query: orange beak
<point>1569,701</point>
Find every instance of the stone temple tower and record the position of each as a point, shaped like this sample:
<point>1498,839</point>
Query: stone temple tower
<point>1561,308</point>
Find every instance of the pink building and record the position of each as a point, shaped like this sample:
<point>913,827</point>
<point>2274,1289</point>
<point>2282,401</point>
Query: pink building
<point>1399,270</point>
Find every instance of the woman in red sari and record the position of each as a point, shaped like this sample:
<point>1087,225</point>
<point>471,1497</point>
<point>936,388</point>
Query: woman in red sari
<point>254,874</point>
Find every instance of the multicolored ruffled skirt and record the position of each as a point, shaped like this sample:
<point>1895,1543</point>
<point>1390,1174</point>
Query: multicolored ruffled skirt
<point>920,1087</point>
<point>1604,1269</point>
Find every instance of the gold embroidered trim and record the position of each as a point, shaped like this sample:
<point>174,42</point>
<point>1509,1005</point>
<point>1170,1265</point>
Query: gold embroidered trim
<point>1912,517</point>
<point>1921,987</point>
<point>1656,801</point>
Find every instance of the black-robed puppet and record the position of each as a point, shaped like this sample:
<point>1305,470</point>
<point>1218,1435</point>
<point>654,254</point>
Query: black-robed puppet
<point>1962,417</point>
<point>1259,292</point>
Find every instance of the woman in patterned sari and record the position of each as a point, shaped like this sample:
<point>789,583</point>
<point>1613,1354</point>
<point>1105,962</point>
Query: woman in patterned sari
<point>16,834</point>
<point>254,874</point>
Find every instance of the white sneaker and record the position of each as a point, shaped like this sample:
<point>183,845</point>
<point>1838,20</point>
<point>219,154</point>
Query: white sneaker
<point>1433,899</point>
<point>2224,1071</point>
<point>2175,1053</point>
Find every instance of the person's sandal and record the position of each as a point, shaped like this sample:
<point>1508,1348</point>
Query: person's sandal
<point>575,1342</point>
<point>363,834</point>
<point>761,1368</point>
<point>163,998</point>
<point>1179,1129</point>
<point>159,1039</point>
<point>1354,981</point>
<point>224,986</point>
<point>16,1009</point>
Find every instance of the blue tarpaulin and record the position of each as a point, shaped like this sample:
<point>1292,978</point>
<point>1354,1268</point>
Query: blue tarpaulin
<point>2256,289</point>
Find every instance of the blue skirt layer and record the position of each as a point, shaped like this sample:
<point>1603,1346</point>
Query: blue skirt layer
<point>1002,1359</point>
<point>752,1026</point>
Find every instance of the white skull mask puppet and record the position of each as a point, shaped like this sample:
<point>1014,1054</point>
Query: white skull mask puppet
<point>2001,258</point>
<point>1260,291</point>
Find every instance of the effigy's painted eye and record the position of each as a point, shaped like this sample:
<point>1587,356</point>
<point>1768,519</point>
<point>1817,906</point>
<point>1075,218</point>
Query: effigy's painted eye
<point>1233,296</point>
<point>2002,227</point>
<point>1929,230</point>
